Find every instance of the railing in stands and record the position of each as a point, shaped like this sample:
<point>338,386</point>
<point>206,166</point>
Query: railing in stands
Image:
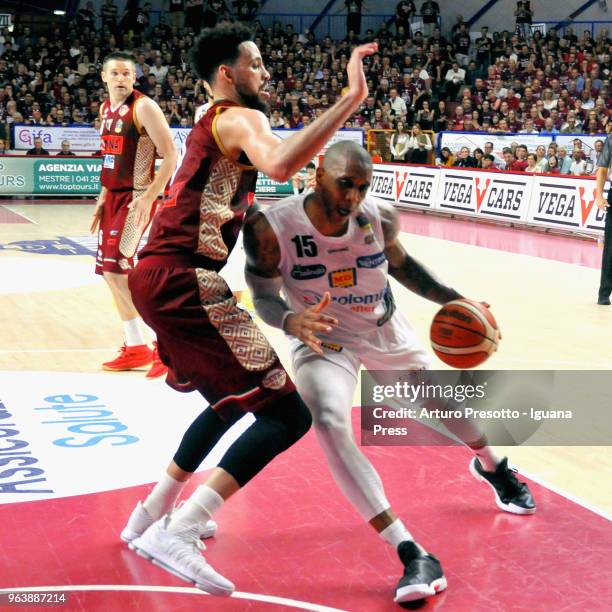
<point>595,27</point>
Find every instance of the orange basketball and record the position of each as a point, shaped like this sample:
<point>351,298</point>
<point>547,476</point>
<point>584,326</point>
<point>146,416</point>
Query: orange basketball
<point>464,334</point>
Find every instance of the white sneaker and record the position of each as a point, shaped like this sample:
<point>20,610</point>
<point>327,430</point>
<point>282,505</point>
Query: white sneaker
<point>140,520</point>
<point>179,553</point>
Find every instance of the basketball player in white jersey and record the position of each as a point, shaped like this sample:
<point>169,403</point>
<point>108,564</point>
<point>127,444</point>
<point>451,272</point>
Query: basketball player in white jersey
<point>330,252</point>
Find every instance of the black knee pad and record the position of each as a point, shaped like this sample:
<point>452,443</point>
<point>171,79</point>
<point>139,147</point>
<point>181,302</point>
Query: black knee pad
<point>292,412</point>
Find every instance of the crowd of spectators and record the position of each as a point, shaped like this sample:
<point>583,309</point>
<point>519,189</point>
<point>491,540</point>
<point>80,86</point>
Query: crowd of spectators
<point>554,158</point>
<point>497,82</point>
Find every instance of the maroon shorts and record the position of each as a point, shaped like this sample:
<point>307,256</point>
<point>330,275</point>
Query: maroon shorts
<point>118,238</point>
<point>205,338</point>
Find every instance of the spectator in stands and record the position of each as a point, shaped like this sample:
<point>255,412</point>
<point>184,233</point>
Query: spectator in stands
<point>2,147</point>
<point>86,17</point>
<point>440,117</point>
<point>398,144</point>
<point>419,145</point>
<point>478,157</point>
<point>464,159</point>
<point>572,125</point>
<point>353,15</point>
<point>446,158</point>
<point>524,14</point>
<point>484,46</point>
<point>553,165</point>
<point>578,167</point>
<point>430,11</point>
<point>245,10</point>
<point>177,15</point>
<point>565,161</point>
<point>404,12</point>
<point>488,162</point>
<point>37,149</point>
<point>65,150</point>
<point>425,117</point>
<point>532,165</point>
<point>194,12</point>
<point>109,13</point>
<point>398,105</point>
<point>454,79</point>
<point>462,44</point>
<point>541,160</point>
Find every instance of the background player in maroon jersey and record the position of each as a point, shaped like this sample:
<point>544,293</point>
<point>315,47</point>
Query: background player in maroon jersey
<point>132,128</point>
<point>205,339</point>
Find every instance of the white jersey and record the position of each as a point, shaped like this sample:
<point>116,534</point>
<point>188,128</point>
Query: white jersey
<point>352,267</point>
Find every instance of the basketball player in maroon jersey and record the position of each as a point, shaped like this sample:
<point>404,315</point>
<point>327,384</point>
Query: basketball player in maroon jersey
<point>132,127</point>
<point>208,342</point>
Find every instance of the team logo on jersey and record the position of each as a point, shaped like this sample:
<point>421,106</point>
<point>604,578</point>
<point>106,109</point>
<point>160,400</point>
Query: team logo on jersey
<point>346,277</point>
<point>371,261</point>
<point>308,272</point>
<point>366,227</point>
<point>123,110</point>
<point>118,127</point>
<point>275,379</point>
<point>109,162</point>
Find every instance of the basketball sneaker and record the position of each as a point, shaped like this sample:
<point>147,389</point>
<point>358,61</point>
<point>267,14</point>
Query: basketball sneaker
<point>130,357</point>
<point>423,576</point>
<point>140,520</point>
<point>158,368</point>
<point>180,554</point>
<point>511,494</point>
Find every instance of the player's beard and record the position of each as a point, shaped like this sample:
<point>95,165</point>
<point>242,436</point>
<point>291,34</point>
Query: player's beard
<point>251,100</point>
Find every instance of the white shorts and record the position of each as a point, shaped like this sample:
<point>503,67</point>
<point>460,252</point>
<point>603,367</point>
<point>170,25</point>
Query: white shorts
<point>394,346</point>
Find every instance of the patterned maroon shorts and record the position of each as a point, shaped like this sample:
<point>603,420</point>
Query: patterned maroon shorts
<point>205,337</point>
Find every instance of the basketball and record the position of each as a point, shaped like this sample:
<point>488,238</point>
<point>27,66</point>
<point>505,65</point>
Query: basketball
<point>464,334</point>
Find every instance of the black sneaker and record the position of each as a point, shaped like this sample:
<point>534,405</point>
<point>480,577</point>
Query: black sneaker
<point>511,494</point>
<point>422,577</point>
<point>603,301</point>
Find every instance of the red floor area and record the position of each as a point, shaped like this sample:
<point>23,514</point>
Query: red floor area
<point>510,239</point>
<point>291,534</point>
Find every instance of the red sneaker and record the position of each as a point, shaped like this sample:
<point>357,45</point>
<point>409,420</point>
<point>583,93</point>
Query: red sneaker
<point>158,368</point>
<point>130,357</point>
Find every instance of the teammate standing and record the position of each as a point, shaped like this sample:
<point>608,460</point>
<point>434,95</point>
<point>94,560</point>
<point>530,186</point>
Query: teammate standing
<point>331,253</point>
<point>207,342</point>
<point>132,128</point>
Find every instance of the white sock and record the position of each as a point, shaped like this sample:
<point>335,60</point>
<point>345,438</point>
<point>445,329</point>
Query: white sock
<point>198,509</point>
<point>296,190</point>
<point>487,457</point>
<point>163,496</point>
<point>395,533</point>
<point>133,332</point>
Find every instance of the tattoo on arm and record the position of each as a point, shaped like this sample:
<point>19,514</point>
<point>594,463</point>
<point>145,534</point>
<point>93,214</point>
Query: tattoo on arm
<point>408,271</point>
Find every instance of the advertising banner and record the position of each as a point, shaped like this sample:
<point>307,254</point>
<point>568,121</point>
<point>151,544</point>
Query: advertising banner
<point>489,194</point>
<point>412,187</point>
<point>565,203</point>
<point>87,139</point>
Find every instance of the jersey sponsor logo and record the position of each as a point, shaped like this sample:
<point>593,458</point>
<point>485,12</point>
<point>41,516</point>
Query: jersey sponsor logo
<point>113,145</point>
<point>356,302</point>
<point>109,162</point>
<point>371,261</point>
<point>332,347</point>
<point>118,127</point>
<point>124,110</point>
<point>111,241</point>
<point>275,379</point>
<point>346,277</point>
<point>308,272</point>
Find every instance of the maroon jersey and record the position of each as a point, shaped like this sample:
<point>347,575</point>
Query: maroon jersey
<point>202,216</point>
<point>128,153</point>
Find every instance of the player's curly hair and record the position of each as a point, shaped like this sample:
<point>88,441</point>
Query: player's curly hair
<point>216,46</point>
